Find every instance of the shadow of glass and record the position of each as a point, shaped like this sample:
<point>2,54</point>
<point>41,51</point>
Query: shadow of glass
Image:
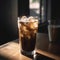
<point>3,58</point>
<point>42,57</point>
<point>38,57</point>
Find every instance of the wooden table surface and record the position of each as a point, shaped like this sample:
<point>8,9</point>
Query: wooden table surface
<point>11,50</point>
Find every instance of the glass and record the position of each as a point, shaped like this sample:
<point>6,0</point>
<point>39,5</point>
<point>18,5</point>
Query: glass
<point>54,31</point>
<point>27,34</point>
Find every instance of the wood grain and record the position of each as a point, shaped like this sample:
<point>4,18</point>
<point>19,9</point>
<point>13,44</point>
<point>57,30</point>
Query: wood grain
<point>11,50</point>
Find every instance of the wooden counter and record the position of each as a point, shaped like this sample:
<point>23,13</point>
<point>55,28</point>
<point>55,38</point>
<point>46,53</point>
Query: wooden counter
<point>44,49</point>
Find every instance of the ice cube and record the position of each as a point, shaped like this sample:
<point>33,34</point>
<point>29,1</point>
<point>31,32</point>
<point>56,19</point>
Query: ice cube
<point>23,19</point>
<point>21,34</point>
<point>35,31</point>
<point>30,25</point>
<point>31,19</point>
<point>28,36</point>
<point>35,24</point>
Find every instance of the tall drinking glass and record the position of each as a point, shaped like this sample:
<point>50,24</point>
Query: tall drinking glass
<point>27,34</point>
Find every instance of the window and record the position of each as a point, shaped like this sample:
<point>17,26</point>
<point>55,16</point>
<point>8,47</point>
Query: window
<point>34,6</point>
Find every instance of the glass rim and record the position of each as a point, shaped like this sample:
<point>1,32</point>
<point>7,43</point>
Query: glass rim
<point>27,19</point>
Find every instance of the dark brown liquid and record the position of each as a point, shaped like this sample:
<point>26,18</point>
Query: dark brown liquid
<point>28,35</point>
<point>28,44</point>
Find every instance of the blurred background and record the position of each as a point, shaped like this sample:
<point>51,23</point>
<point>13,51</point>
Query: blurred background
<point>10,10</point>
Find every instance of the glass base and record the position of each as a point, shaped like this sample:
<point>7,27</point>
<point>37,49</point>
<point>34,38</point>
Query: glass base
<point>28,52</point>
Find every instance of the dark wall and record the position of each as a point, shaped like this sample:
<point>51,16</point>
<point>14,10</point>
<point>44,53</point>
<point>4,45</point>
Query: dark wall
<point>55,8</point>
<point>23,7</point>
<point>55,11</point>
<point>8,20</point>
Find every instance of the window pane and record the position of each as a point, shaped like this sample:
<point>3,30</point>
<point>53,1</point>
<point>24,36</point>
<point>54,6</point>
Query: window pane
<point>34,6</point>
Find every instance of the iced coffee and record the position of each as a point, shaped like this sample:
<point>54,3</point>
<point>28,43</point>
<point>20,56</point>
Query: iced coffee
<point>27,33</point>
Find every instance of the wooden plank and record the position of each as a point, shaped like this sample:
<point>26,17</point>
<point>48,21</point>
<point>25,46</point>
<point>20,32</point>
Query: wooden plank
<point>50,55</point>
<point>11,51</point>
